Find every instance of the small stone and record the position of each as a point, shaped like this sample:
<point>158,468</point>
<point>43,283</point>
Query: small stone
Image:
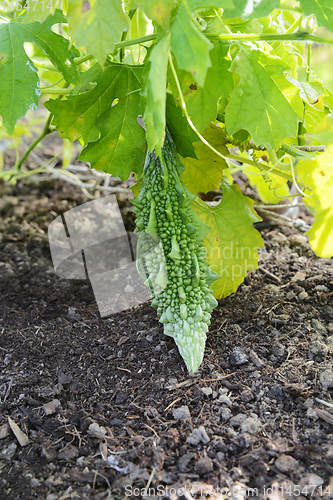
<point>197,436</point>
<point>273,289</point>
<point>4,431</point>
<point>308,403</point>
<point>299,276</point>
<point>317,349</point>
<point>57,389</point>
<point>128,289</point>
<point>225,400</point>
<point>251,425</point>
<point>51,407</point>
<point>302,296</point>
<point>246,396</point>
<point>326,379</point>
<point>208,391</point>
<point>171,382</point>
<point>121,398</point>
<point>68,453</point>
<point>318,326</point>
<point>238,357</point>
<point>312,414</point>
<point>278,349</point>
<point>203,466</point>
<point>329,343</point>
<point>64,379</point>
<point>237,420</point>
<point>116,422</point>
<point>276,392</point>
<point>321,289</point>
<point>225,414</point>
<point>311,481</point>
<point>181,413</point>
<point>256,360</point>
<point>298,240</point>
<point>184,461</point>
<point>34,483</point>
<point>72,314</point>
<point>52,496</point>
<point>286,463</point>
<point>7,359</point>
<point>8,453</point>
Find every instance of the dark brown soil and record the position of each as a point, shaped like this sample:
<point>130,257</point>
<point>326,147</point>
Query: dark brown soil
<point>107,404</point>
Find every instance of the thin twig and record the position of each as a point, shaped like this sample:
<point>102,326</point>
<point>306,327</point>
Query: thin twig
<point>46,131</point>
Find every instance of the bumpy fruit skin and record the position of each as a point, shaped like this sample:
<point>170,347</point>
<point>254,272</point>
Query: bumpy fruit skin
<point>171,256</point>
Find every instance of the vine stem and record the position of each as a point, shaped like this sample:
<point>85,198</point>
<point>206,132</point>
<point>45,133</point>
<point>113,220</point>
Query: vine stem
<point>46,131</point>
<point>298,36</point>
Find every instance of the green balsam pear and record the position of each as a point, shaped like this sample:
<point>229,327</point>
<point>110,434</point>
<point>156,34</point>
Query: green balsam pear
<point>171,256</point>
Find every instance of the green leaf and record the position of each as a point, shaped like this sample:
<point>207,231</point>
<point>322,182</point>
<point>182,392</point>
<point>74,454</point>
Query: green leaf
<point>157,10</point>
<point>190,47</point>
<point>107,115</point>
<point>317,176</point>
<point>264,102</point>
<point>19,82</point>
<point>39,10</point>
<point>251,10</point>
<point>203,173</point>
<point>232,242</point>
<point>205,4</point>
<point>96,25</point>
<point>322,9</point>
<point>202,102</point>
<point>154,116</point>
<point>324,131</point>
<point>121,147</point>
<point>182,134</point>
<point>75,117</point>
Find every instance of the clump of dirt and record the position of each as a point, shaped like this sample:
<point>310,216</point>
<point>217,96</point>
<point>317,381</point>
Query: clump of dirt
<point>107,405</point>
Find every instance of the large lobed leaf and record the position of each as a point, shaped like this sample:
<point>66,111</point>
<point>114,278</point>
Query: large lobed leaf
<point>20,89</point>
<point>106,118</point>
<point>264,102</point>
<point>232,242</point>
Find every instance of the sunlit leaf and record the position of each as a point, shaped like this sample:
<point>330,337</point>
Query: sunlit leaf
<point>232,242</point>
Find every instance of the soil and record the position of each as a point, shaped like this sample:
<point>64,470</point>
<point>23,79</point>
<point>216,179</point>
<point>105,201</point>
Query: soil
<point>105,406</point>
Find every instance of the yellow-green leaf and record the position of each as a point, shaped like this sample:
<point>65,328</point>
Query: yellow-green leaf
<point>271,187</point>
<point>232,242</point>
<point>96,25</point>
<point>317,176</point>
<point>156,10</point>
<point>203,174</point>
